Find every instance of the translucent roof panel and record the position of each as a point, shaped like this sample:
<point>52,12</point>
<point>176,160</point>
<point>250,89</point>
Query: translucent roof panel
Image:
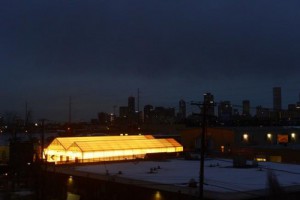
<point>58,145</point>
<point>92,146</point>
<point>66,142</point>
<point>90,149</point>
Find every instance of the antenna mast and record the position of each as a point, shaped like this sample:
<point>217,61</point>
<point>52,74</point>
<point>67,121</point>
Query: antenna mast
<point>70,110</point>
<point>138,100</point>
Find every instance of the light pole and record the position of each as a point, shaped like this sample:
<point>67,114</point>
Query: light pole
<point>42,139</point>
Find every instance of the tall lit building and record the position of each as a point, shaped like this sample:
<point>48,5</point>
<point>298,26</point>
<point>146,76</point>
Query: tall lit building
<point>225,111</point>
<point>209,102</point>
<point>246,108</point>
<point>262,113</point>
<point>277,99</point>
<point>123,111</point>
<point>131,105</point>
<point>103,118</point>
<point>182,109</point>
<point>148,111</point>
<point>298,103</point>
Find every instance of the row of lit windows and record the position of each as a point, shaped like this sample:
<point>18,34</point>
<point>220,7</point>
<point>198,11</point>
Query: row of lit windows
<point>270,136</point>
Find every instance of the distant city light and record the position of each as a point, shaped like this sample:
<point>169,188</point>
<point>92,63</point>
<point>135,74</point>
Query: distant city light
<point>245,137</point>
<point>261,159</point>
<point>222,148</point>
<point>157,195</point>
<point>293,135</point>
<point>269,135</point>
<point>70,180</point>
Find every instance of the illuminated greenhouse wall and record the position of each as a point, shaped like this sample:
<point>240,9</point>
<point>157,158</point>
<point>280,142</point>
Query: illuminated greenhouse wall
<point>107,148</point>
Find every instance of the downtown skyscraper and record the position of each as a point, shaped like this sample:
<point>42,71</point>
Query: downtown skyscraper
<point>277,105</point>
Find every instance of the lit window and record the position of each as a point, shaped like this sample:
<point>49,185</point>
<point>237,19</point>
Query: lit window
<point>261,159</point>
<point>245,137</point>
<point>222,149</point>
<point>157,195</point>
<point>70,180</point>
<point>269,136</point>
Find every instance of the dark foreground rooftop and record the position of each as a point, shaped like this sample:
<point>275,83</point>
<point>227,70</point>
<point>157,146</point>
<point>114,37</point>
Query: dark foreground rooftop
<point>222,181</point>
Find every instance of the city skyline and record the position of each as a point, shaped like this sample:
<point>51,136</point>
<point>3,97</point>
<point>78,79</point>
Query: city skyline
<point>130,106</point>
<point>100,52</point>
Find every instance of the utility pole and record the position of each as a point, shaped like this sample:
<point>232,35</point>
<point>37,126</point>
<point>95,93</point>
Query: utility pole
<point>138,108</point>
<point>43,163</point>
<point>203,148</point>
<point>138,99</point>
<point>42,140</point>
<point>26,115</point>
<point>114,107</point>
<point>70,110</point>
<point>69,128</point>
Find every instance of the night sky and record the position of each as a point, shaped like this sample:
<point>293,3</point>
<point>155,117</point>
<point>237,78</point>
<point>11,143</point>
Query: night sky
<point>100,51</point>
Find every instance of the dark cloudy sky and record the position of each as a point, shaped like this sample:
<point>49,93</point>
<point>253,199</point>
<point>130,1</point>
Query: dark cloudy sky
<point>100,51</point>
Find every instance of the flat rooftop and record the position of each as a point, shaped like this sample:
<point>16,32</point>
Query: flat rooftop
<point>222,181</point>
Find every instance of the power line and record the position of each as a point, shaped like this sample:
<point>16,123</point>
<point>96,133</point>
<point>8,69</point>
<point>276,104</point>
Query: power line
<point>234,190</point>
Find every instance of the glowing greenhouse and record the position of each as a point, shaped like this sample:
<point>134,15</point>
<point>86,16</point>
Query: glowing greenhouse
<point>107,148</point>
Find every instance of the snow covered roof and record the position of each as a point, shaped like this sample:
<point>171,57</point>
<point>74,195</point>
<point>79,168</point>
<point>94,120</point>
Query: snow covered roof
<point>220,176</point>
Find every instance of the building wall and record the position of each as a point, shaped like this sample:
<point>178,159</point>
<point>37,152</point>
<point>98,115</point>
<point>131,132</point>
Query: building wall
<point>232,142</point>
<point>88,187</point>
<point>4,154</point>
<point>258,136</point>
<point>216,138</point>
<point>277,99</point>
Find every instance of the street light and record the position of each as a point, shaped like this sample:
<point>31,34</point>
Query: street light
<point>293,136</point>
<point>245,137</point>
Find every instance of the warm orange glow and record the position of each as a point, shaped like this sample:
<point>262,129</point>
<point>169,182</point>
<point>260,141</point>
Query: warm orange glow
<point>293,135</point>
<point>93,149</point>
<point>70,180</point>
<point>282,138</point>
<point>222,148</point>
<point>261,159</point>
<point>157,196</point>
<point>245,137</point>
<point>269,135</point>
